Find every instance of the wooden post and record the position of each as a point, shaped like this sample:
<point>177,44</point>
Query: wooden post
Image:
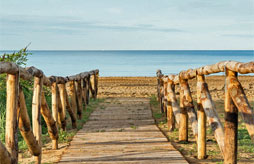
<point>36,114</point>
<point>170,114</point>
<point>79,98</point>
<point>25,127</point>
<point>183,126</point>
<point>61,117</point>
<point>240,100</point>
<point>189,107</point>
<point>5,156</point>
<point>96,83</point>
<point>92,86</point>
<point>211,113</point>
<point>87,89</point>
<point>231,123</point>
<point>62,100</point>
<point>201,121</point>
<point>72,93</point>
<point>51,123</point>
<point>84,92</point>
<point>158,73</point>
<point>11,133</point>
<point>54,90</point>
<point>172,98</point>
<point>70,111</point>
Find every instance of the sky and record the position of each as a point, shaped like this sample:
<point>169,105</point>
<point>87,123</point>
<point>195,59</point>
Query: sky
<point>127,24</point>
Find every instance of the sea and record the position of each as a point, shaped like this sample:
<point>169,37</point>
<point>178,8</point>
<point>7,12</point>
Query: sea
<point>129,62</point>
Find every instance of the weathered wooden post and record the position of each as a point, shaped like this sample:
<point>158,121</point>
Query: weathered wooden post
<point>54,97</point>
<point>189,106</point>
<point>210,111</point>
<point>84,91</point>
<point>158,74</point>
<point>87,89</point>
<point>72,94</point>
<point>96,82</point>
<point>240,100</point>
<point>92,85</point>
<point>36,113</point>
<point>172,98</point>
<point>51,123</point>
<point>63,105</point>
<point>165,93</point>
<point>183,126</point>
<point>170,114</point>
<point>79,98</point>
<point>201,143</point>
<point>61,117</point>
<point>11,133</point>
<point>70,111</point>
<point>25,127</point>
<point>231,122</point>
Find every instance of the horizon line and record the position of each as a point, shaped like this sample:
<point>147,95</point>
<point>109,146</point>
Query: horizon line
<point>135,50</point>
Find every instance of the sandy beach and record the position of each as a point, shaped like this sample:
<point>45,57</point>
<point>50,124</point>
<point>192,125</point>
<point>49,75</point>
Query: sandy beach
<point>147,86</point>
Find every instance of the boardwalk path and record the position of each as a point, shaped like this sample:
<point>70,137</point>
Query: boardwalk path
<point>122,130</point>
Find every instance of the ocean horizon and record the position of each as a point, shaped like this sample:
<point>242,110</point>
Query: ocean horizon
<point>128,62</point>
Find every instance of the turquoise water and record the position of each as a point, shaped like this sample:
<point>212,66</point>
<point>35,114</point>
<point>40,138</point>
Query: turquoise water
<point>129,63</point>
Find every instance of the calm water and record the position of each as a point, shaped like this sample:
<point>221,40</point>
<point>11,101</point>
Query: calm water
<point>129,63</point>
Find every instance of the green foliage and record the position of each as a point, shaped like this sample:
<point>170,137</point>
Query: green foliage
<point>20,57</point>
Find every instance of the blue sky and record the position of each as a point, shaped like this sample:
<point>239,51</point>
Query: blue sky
<point>127,24</point>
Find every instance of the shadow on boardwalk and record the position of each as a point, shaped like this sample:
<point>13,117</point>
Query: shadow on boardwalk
<point>122,130</point>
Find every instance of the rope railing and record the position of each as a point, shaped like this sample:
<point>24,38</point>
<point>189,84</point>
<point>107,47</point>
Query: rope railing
<point>78,87</point>
<point>235,101</point>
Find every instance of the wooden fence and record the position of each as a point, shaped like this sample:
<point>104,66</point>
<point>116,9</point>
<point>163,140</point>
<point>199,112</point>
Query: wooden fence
<point>78,88</point>
<point>235,101</point>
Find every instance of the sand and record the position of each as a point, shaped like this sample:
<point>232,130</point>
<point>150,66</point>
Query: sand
<point>146,86</point>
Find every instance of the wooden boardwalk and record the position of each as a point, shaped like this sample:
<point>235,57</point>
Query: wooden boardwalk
<point>122,130</point>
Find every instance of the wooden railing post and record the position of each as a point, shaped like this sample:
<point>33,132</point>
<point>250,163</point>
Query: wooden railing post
<point>70,111</point>
<point>84,91</point>
<point>51,123</point>
<point>237,94</point>
<point>61,117</point>
<point>36,113</point>
<point>79,98</point>
<point>88,89</point>
<point>72,93</point>
<point>211,113</point>
<point>11,133</point>
<point>96,83</point>
<point>62,99</point>
<point>54,96</point>
<point>231,122</point>
<point>158,73</point>
<point>170,114</point>
<point>165,94</point>
<point>201,120</point>
<point>172,98</point>
<point>25,127</point>
<point>183,126</point>
<point>92,85</point>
